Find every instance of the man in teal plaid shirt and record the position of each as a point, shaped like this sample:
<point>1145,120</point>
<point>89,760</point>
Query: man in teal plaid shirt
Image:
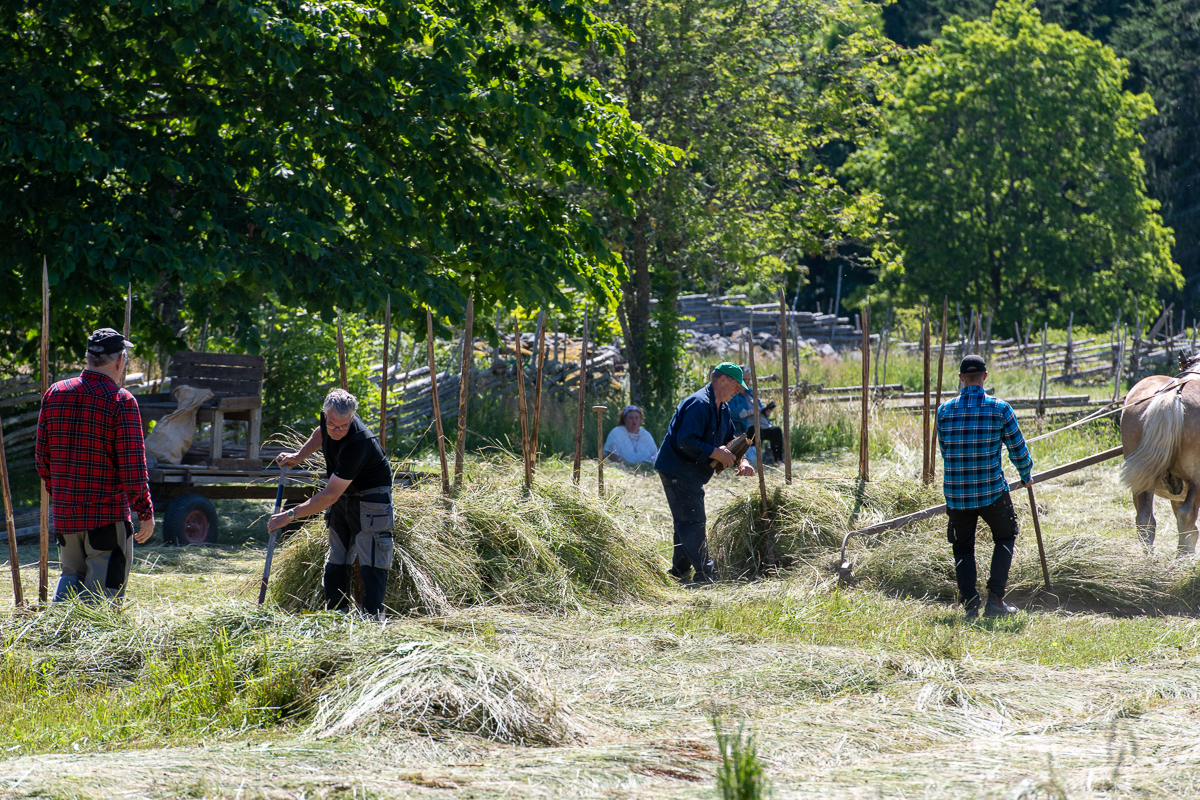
<point>971,428</point>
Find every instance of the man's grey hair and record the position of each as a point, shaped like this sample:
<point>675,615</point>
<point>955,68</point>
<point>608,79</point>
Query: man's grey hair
<point>97,361</point>
<point>340,403</point>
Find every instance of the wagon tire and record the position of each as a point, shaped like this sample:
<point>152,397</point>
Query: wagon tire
<point>190,520</point>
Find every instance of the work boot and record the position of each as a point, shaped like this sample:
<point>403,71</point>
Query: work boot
<point>996,607</point>
<point>971,607</point>
<point>682,577</point>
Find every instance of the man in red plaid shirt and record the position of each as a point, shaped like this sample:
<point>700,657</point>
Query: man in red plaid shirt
<point>91,454</point>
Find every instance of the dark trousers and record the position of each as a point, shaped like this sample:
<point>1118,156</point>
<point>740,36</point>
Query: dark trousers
<point>960,532</point>
<point>348,542</point>
<point>338,596</point>
<point>686,501</point>
<point>773,436</point>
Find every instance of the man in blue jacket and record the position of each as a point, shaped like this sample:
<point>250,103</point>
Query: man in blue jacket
<point>698,432</point>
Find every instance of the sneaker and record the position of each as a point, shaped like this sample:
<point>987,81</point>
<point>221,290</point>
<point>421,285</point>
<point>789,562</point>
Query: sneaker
<point>682,577</point>
<point>996,607</point>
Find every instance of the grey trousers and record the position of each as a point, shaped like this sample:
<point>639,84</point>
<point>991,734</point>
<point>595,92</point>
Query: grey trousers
<point>95,563</point>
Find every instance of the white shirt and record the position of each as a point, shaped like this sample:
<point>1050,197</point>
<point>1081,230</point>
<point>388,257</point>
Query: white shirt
<point>639,447</point>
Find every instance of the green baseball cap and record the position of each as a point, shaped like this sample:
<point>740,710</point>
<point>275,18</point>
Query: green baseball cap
<point>733,371</point>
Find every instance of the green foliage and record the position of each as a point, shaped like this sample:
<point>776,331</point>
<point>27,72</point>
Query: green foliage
<point>1010,163</point>
<point>326,154</point>
<point>302,366</point>
<point>740,774</point>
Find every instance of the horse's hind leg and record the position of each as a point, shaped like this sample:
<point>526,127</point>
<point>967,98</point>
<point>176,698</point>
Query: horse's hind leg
<point>1185,518</point>
<point>1143,504</point>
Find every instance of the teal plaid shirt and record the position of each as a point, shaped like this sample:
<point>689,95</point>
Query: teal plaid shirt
<point>970,429</point>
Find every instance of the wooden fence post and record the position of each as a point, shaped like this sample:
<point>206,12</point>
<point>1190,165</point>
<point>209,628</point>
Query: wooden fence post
<point>758,443</point>
<point>1068,356</point>
<point>864,456</point>
<point>537,389</point>
<point>10,525</point>
<point>941,367</point>
<point>464,388</point>
<point>521,406</point>
<point>437,407</point>
<point>383,386</point>
<point>600,447</point>
<point>44,515</point>
<point>1041,406</point>
<point>787,390</point>
<point>582,389</point>
<point>341,353</point>
<point>125,330</point>
<point>925,348</point>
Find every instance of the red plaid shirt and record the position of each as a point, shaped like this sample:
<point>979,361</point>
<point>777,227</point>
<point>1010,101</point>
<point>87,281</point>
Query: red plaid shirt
<point>91,453</point>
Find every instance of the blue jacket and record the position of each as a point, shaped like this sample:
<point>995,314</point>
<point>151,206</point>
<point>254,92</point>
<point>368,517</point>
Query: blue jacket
<point>700,425</point>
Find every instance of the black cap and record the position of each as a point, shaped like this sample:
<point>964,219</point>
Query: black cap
<point>971,365</point>
<point>106,341</point>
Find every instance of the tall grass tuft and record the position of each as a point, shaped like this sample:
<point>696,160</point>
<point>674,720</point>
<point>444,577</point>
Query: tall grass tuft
<point>552,547</point>
<point>740,775</point>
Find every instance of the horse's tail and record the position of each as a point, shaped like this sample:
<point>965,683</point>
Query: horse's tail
<point>1162,434</point>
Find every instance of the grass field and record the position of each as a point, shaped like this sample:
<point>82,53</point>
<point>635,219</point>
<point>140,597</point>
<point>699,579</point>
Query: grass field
<point>850,691</point>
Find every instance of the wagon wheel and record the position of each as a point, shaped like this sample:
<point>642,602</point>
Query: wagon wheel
<point>190,520</point>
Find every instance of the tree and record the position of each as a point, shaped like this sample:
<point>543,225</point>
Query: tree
<point>763,100</point>
<point>1010,164</point>
<point>1161,38</point>
<point>325,154</point>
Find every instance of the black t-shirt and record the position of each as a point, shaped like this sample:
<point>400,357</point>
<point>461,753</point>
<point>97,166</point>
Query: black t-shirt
<point>356,457</point>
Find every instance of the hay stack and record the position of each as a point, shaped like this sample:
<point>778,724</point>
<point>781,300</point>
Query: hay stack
<point>804,523</point>
<point>553,547</point>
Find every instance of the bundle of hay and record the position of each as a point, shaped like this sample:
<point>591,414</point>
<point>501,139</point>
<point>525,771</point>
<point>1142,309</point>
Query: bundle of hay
<point>551,547</point>
<point>803,523</point>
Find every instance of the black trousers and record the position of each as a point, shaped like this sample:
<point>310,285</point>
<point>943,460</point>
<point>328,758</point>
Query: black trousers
<point>686,501</point>
<point>773,436</point>
<point>960,532</point>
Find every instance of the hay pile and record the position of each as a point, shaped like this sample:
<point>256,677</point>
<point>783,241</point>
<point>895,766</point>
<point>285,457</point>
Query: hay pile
<point>804,523</point>
<point>235,668</point>
<point>553,547</point>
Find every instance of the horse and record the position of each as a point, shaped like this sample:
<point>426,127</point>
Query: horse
<point>1160,437</point>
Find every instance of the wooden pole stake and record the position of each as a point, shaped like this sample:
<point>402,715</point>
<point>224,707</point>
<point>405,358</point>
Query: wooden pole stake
<point>941,366</point>
<point>1041,407</point>
<point>864,455</point>
<point>600,447</point>
<point>125,330</point>
<point>537,389</point>
<point>44,516</point>
<point>582,389</point>
<point>437,406</point>
<point>383,386</point>
<point>758,442</point>
<point>10,524</point>
<point>925,479</point>
<point>787,390</point>
<point>464,389</point>
<point>342,353</point>
<point>1037,529</point>
<point>521,407</point>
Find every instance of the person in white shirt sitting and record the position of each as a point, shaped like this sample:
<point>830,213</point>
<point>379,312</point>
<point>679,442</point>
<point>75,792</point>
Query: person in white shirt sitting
<point>629,443</point>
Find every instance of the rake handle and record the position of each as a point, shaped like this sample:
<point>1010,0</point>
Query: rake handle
<point>1037,529</point>
<point>266,576</point>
